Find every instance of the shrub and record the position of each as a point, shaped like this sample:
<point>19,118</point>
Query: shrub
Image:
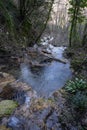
<point>77,64</point>
<point>77,84</point>
<point>79,101</point>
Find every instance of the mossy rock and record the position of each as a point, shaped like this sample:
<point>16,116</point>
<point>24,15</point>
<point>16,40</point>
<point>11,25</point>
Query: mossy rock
<point>2,127</point>
<point>7,107</point>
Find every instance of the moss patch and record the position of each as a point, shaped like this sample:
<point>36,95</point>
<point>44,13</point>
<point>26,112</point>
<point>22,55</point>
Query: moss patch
<point>7,107</point>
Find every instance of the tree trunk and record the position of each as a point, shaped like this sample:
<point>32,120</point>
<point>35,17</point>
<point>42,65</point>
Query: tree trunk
<point>45,22</point>
<point>22,9</point>
<point>73,25</point>
<point>84,40</point>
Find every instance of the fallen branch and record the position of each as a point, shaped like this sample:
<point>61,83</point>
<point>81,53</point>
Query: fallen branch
<point>53,58</point>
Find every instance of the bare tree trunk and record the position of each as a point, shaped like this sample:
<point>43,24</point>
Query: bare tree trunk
<point>22,9</point>
<point>84,40</point>
<point>72,28</point>
<point>45,22</point>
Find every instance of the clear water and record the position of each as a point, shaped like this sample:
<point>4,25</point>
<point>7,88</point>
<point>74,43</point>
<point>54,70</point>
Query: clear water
<point>45,80</point>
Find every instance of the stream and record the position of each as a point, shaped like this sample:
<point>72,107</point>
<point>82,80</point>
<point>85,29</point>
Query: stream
<point>47,79</point>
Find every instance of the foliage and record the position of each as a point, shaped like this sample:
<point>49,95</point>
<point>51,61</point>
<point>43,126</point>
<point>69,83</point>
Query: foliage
<point>76,85</point>
<point>27,19</point>
<point>7,15</point>
<point>84,40</point>
<point>77,64</point>
<point>76,16</point>
<point>79,101</point>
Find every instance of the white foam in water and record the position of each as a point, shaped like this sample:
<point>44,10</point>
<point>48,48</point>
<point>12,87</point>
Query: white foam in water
<point>51,39</point>
<point>27,101</point>
<point>56,51</point>
<point>44,43</point>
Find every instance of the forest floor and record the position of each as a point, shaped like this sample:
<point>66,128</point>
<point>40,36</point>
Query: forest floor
<point>55,113</point>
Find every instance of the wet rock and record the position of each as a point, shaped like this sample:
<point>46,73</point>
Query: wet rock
<point>15,123</point>
<point>6,75</point>
<point>24,96</point>
<point>45,114</point>
<point>59,97</point>
<point>21,86</point>
<point>35,113</point>
<point>32,126</point>
<point>8,90</point>
<point>24,92</point>
<point>5,79</point>
<point>84,122</point>
<point>52,120</point>
<point>45,119</point>
<point>7,107</point>
<point>4,121</point>
<point>12,89</point>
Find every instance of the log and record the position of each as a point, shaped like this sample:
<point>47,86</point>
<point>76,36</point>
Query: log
<point>53,58</point>
<point>36,64</point>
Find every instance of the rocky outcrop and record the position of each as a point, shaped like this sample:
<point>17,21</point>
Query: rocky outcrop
<point>14,94</point>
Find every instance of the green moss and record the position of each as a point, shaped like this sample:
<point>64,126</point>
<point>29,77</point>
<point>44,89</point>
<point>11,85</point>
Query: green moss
<point>7,107</point>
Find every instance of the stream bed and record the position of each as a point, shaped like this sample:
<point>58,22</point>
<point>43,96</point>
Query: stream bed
<point>47,79</point>
<point>44,80</point>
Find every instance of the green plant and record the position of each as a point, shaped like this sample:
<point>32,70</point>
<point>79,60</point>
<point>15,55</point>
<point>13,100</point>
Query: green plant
<point>77,84</point>
<point>25,19</point>
<point>77,64</point>
<point>79,101</point>
<point>7,14</point>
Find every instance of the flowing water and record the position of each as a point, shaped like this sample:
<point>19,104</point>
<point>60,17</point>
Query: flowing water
<point>45,80</point>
